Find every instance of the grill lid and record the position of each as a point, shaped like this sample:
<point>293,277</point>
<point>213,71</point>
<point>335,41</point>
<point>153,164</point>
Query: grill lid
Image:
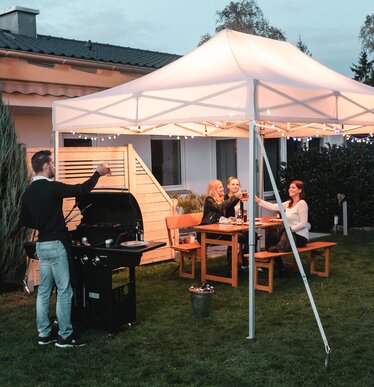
<point>109,209</point>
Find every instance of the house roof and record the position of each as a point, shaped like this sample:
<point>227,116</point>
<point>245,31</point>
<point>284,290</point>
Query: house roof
<point>85,50</point>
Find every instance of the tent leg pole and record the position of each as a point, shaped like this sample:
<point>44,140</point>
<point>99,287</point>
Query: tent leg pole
<point>251,235</point>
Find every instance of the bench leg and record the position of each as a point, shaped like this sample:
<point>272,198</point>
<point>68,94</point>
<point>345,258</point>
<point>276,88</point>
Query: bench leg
<point>270,282</point>
<point>326,255</point>
<point>184,274</point>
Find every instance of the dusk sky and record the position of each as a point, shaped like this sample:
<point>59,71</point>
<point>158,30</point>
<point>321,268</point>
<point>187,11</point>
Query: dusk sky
<point>330,28</point>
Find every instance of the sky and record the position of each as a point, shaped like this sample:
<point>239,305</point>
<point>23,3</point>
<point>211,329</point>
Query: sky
<point>330,28</point>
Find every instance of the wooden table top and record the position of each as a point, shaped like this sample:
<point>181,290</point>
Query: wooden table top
<point>268,221</point>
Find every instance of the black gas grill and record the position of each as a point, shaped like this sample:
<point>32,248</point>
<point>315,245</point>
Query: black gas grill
<point>110,219</point>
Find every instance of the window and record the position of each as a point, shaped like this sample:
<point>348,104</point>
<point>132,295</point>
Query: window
<point>166,162</point>
<point>226,159</point>
<point>272,152</point>
<point>293,146</point>
<point>315,144</point>
<point>77,142</point>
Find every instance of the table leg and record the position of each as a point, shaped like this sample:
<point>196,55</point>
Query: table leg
<point>203,256</point>
<point>234,268</point>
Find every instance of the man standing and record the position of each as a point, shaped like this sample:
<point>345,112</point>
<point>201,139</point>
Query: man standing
<point>42,210</point>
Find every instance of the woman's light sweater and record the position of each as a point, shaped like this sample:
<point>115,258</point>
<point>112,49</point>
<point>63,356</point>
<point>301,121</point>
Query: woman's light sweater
<point>297,216</point>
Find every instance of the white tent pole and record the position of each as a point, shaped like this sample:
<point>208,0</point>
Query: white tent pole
<point>251,233</point>
<point>295,252</point>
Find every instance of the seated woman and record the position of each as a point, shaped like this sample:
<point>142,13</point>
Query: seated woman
<point>296,211</point>
<point>216,206</point>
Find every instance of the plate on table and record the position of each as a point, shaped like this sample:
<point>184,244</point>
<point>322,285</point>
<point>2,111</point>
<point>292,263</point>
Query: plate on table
<point>226,224</point>
<point>275,220</point>
<point>134,243</point>
<point>259,224</point>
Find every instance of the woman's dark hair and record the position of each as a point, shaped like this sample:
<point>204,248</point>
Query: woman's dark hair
<point>300,185</point>
<point>39,159</point>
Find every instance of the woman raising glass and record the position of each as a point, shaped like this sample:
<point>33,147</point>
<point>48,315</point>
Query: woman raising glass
<point>296,211</point>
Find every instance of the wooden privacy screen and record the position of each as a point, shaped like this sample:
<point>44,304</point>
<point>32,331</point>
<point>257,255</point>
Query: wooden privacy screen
<point>128,170</point>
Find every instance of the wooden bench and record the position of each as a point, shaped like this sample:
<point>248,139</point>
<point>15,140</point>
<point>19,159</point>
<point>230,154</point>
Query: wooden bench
<point>186,250</point>
<point>265,259</point>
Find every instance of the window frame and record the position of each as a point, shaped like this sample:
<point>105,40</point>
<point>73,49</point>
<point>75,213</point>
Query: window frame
<point>182,162</point>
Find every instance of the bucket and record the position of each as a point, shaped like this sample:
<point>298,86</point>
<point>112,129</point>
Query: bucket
<point>201,300</point>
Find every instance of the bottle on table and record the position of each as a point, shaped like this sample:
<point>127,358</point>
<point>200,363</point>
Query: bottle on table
<point>139,233</point>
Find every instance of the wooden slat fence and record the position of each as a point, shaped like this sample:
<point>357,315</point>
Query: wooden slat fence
<point>128,170</point>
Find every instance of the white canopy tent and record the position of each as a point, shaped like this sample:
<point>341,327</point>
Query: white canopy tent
<point>219,89</point>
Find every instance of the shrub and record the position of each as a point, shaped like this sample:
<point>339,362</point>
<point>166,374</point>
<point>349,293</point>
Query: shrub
<point>14,178</point>
<point>346,169</point>
<point>190,203</point>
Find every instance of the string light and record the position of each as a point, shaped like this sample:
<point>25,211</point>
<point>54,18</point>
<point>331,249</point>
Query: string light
<point>94,138</point>
<point>367,140</point>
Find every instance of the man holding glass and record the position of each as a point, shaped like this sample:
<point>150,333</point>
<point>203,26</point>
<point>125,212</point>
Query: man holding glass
<point>42,210</point>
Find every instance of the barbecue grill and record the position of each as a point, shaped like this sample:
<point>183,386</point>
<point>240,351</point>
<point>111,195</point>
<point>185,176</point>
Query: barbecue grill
<point>106,241</point>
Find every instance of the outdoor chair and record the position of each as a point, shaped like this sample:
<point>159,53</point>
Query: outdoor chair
<point>186,250</point>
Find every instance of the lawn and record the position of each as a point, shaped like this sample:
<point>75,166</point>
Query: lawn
<point>169,347</point>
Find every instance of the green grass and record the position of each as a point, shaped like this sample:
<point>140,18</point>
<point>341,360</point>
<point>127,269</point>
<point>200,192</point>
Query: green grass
<point>169,347</point>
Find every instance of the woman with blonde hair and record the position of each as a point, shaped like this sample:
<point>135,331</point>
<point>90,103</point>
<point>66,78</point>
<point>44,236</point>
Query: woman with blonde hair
<point>233,186</point>
<point>216,206</point>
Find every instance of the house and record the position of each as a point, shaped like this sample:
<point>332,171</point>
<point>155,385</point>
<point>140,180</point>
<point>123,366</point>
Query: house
<point>36,70</point>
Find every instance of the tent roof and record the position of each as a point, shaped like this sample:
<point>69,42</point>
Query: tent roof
<point>218,87</point>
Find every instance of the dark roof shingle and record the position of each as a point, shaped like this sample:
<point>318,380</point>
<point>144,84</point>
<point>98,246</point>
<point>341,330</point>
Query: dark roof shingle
<point>78,49</point>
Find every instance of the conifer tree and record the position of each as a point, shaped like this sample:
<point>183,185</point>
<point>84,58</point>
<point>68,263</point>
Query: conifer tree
<point>303,46</point>
<point>14,178</point>
<point>364,70</point>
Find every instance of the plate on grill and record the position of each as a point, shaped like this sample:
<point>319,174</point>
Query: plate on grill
<point>134,243</point>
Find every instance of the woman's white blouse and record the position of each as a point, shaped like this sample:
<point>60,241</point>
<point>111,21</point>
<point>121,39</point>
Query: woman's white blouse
<point>297,216</point>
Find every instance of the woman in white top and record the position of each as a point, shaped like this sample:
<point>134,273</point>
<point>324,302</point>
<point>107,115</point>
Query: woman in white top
<point>296,210</point>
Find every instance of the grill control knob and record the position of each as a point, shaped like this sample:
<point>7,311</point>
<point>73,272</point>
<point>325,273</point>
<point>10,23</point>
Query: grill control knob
<point>96,261</point>
<point>84,259</point>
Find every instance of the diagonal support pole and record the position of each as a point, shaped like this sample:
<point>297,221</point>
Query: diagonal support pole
<point>296,253</point>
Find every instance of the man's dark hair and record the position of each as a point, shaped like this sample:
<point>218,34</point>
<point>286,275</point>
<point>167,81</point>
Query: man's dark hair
<point>39,159</point>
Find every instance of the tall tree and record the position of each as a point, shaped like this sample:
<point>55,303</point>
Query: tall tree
<point>364,70</point>
<point>367,34</point>
<point>303,47</point>
<point>14,178</point>
<point>245,16</point>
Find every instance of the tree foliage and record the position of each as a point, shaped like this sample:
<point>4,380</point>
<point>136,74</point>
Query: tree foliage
<point>346,169</point>
<point>367,34</point>
<point>245,16</point>
<point>14,178</point>
<point>364,70</point>
<point>303,46</point>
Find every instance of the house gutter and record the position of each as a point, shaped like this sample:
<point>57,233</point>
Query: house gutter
<point>75,62</point>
